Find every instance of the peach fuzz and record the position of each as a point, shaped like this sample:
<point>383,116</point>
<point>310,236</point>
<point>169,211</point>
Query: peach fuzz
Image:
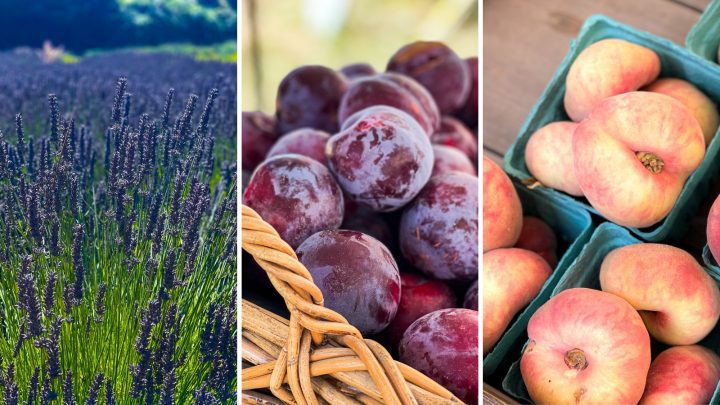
<point>538,237</point>
<point>632,155</point>
<point>511,279</point>
<point>700,105</point>
<point>549,157</point>
<point>713,229</point>
<point>502,212</point>
<point>604,69</point>
<point>682,375</point>
<point>586,346</point>
<point>678,301</point>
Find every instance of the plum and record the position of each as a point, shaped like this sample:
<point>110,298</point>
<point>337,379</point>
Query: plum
<point>258,136</point>
<point>304,141</point>
<point>369,223</point>
<point>382,160</point>
<point>420,296</point>
<point>296,195</point>
<point>439,229</point>
<point>454,133</point>
<point>468,113</point>
<point>471,297</point>
<point>435,66</point>
<point>443,345</point>
<point>357,275</point>
<point>245,179</point>
<point>357,70</point>
<point>391,90</point>
<point>449,159</point>
<point>309,97</point>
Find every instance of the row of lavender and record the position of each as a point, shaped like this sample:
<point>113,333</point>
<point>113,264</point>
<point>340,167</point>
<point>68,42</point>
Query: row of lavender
<point>118,230</point>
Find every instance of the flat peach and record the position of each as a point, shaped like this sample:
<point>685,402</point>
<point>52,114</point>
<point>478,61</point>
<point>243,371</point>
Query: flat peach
<point>511,279</point>
<point>682,375</point>
<point>678,301</point>
<point>502,212</point>
<point>695,100</point>
<point>713,229</point>
<point>604,69</point>
<point>549,157</point>
<point>537,236</point>
<point>586,347</point>
<point>632,155</point>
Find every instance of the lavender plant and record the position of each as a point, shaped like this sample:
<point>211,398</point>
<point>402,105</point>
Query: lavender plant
<point>117,231</point>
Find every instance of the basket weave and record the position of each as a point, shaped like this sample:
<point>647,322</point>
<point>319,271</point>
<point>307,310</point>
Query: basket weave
<point>316,357</point>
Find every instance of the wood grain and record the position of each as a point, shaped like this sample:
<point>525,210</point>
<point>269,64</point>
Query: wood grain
<point>698,5</point>
<point>493,396</point>
<point>524,42</point>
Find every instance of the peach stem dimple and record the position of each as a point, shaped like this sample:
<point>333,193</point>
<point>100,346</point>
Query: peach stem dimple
<point>651,161</point>
<point>575,359</point>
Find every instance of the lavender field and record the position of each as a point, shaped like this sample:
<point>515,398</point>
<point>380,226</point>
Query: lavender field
<point>117,230</point>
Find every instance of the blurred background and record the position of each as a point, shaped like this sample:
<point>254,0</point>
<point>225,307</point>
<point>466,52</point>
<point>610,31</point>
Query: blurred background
<point>279,36</point>
<point>67,29</point>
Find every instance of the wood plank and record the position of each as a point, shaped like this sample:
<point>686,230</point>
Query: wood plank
<point>524,42</point>
<point>697,5</point>
<point>494,396</point>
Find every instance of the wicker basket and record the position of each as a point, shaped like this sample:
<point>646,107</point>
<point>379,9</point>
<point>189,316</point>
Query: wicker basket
<point>316,357</point>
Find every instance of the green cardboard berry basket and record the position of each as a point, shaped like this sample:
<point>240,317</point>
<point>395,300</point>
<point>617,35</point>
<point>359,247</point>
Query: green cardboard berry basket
<point>704,37</point>
<point>573,227</point>
<point>584,272</point>
<point>676,62</point>
<point>709,261</point>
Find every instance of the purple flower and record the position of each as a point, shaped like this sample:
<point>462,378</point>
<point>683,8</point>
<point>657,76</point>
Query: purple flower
<point>117,101</point>
<point>95,390</point>
<point>54,117</point>
<point>28,298</point>
<point>67,388</point>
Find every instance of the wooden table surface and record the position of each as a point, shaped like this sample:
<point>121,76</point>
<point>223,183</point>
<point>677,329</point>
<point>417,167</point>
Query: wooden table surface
<point>524,41</point>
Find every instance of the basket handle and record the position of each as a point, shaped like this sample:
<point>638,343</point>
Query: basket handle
<point>311,322</point>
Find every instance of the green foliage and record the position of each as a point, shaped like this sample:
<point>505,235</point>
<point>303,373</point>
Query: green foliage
<point>225,52</point>
<point>87,24</point>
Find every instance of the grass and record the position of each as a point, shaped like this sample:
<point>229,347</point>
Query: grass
<point>225,52</point>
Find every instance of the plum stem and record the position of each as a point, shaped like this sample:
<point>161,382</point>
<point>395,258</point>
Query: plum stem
<point>651,161</point>
<point>576,359</point>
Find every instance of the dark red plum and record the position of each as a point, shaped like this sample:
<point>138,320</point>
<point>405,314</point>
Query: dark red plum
<point>448,159</point>
<point>309,97</point>
<point>471,297</point>
<point>443,345</point>
<point>245,179</point>
<point>369,223</point>
<point>296,195</point>
<point>391,90</point>
<point>258,136</point>
<point>304,141</point>
<point>468,113</point>
<point>537,236</point>
<point>420,296</point>
<point>454,133</point>
<point>357,70</point>
<point>438,68</point>
<point>439,230</point>
<point>382,160</point>
<point>357,275</point>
